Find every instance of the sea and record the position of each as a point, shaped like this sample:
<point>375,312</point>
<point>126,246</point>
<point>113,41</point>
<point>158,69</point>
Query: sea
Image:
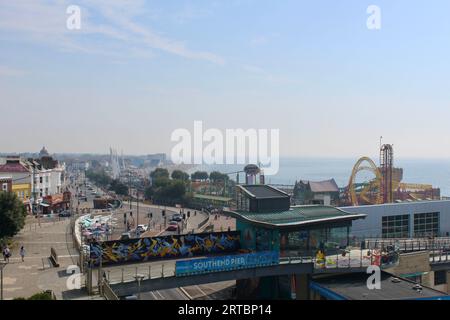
<point>424,171</point>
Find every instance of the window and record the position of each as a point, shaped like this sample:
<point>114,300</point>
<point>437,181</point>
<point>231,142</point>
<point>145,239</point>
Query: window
<point>40,179</point>
<point>395,226</point>
<point>440,277</point>
<point>426,224</point>
<point>4,186</point>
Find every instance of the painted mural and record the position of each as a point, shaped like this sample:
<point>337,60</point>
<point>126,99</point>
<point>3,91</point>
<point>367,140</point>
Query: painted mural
<point>164,247</point>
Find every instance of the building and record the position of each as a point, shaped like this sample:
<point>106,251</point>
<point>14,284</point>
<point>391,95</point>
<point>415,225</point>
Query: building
<point>20,174</point>
<point>316,192</point>
<point>44,177</point>
<point>6,184</point>
<point>403,220</point>
<point>353,286</point>
<point>267,222</point>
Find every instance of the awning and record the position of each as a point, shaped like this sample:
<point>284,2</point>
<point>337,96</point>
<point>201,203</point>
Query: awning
<point>44,204</point>
<point>410,275</point>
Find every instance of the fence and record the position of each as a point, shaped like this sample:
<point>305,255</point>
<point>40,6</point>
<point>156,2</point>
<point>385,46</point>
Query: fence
<point>205,221</point>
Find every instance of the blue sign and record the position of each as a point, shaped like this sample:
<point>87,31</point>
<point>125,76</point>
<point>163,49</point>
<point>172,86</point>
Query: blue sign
<point>226,263</point>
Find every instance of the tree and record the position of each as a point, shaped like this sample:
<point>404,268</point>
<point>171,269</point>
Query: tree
<point>180,175</point>
<point>12,214</point>
<point>118,187</point>
<point>100,177</point>
<point>199,175</point>
<point>159,173</point>
<point>173,191</point>
<point>217,176</point>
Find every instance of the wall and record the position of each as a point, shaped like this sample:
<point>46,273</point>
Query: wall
<point>164,247</point>
<point>371,225</point>
<point>415,262</point>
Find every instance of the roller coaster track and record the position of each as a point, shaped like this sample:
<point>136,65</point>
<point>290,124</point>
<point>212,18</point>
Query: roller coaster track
<point>373,184</point>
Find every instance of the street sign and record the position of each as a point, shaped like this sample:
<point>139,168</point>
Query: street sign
<point>226,263</point>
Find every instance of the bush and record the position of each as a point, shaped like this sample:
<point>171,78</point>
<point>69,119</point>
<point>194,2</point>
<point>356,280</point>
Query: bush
<point>44,295</point>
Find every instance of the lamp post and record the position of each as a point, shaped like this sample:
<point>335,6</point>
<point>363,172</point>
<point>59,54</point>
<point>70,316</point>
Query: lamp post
<point>2,265</point>
<point>139,278</point>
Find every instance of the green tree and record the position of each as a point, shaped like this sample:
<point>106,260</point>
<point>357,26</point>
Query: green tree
<point>12,214</point>
<point>180,175</point>
<point>199,175</point>
<point>99,177</point>
<point>118,187</point>
<point>159,173</point>
<point>217,176</point>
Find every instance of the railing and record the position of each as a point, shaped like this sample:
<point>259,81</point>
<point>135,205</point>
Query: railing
<point>129,274</point>
<point>205,221</point>
<point>354,258</point>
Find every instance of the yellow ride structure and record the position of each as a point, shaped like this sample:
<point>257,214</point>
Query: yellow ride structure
<point>371,193</point>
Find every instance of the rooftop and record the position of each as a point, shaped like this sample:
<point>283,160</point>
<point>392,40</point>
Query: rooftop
<point>354,287</point>
<point>261,191</point>
<point>211,197</point>
<point>13,167</point>
<point>324,186</point>
<point>296,216</point>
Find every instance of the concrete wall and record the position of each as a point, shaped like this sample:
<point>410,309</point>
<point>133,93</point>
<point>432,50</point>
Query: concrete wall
<point>415,262</point>
<point>371,225</point>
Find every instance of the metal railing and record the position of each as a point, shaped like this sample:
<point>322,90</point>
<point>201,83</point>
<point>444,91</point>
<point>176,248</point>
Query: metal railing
<point>354,258</point>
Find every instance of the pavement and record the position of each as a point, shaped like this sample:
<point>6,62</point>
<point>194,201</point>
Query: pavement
<point>36,273</point>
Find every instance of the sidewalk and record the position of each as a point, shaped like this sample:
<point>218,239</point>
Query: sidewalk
<point>35,274</point>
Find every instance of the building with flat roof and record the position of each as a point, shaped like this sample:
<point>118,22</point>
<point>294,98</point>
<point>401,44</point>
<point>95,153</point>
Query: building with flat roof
<point>353,286</point>
<point>267,222</point>
<point>402,220</point>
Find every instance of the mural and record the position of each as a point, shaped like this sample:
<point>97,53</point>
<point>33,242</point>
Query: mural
<point>164,247</point>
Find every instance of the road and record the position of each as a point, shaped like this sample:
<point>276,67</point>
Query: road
<point>140,215</point>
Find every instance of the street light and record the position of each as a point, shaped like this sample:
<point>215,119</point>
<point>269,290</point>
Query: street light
<point>139,278</point>
<point>2,265</point>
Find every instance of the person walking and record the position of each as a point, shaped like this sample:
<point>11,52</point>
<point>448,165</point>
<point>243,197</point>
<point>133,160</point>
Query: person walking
<point>6,254</point>
<point>22,253</point>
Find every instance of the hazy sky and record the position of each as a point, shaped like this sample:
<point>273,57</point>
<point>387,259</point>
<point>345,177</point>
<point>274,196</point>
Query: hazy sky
<point>137,70</point>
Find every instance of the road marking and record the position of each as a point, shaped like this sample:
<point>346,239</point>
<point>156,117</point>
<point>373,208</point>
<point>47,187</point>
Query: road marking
<point>159,293</point>
<point>185,293</point>
<point>203,292</point>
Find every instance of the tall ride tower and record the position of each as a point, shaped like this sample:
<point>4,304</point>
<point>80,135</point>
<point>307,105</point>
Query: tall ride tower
<point>386,168</point>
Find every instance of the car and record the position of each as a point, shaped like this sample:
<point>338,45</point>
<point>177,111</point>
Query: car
<point>172,227</point>
<point>177,217</point>
<point>142,228</point>
<point>125,236</point>
<point>64,214</point>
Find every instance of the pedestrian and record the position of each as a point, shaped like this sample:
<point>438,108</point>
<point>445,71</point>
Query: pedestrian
<point>6,254</point>
<point>22,253</point>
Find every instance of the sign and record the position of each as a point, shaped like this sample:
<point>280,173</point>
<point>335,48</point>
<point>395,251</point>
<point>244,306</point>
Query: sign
<point>226,263</point>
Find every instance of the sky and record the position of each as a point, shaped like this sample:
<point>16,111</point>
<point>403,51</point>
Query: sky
<point>138,70</point>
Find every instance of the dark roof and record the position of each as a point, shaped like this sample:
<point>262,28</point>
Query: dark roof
<point>263,191</point>
<point>353,286</point>
<point>296,216</point>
